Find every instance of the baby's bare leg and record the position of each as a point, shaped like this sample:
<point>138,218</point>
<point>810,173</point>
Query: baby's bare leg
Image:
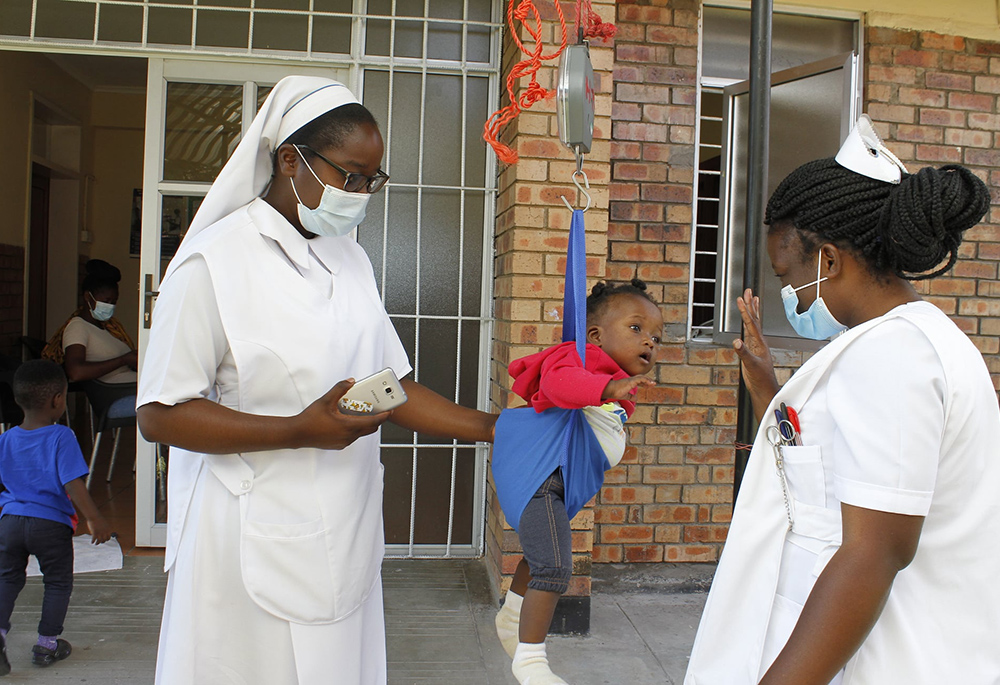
<point>537,611</point>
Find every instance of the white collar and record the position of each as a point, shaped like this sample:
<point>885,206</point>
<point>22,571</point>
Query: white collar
<point>272,224</point>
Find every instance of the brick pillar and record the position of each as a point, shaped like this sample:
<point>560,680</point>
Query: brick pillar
<point>934,100</point>
<point>672,501</point>
<point>531,237</point>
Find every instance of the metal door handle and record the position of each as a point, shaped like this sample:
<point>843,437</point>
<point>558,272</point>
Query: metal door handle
<point>149,296</point>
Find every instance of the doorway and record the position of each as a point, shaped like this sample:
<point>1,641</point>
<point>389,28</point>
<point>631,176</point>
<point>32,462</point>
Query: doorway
<point>196,114</point>
<point>77,123</point>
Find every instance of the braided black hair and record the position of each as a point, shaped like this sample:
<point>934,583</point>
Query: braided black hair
<point>330,130</point>
<point>36,382</point>
<point>906,229</point>
<point>602,294</point>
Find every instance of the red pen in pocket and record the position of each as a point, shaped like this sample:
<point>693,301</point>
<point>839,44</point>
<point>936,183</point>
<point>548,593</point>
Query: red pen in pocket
<point>793,418</point>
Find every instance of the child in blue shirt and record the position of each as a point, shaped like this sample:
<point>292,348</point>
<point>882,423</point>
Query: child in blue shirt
<point>40,464</point>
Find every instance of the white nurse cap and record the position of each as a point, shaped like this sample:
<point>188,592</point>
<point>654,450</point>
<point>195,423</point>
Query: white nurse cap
<point>863,153</point>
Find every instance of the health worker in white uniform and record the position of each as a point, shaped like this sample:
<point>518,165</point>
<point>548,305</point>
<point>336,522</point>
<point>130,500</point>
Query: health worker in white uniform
<point>863,547</point>
<point>267,312</point>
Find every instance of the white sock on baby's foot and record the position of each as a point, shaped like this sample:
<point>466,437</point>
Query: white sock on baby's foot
<point>531,665</point>
<point>507,621</point>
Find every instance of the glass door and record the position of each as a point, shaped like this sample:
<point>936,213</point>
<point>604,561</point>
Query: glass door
<point>196,113</point>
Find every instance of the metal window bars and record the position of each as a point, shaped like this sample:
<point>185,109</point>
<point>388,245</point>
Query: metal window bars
<point>482,320</point>
<point>303,28</point>
<point>706,219</point>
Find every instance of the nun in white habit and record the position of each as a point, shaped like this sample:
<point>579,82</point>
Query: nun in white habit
<point>266,313</point>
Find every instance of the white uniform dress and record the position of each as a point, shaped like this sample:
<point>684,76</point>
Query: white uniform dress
<point>899,415</point>
<point>273,557</point>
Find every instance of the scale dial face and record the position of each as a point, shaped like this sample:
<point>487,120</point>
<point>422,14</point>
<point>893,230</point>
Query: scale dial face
<point>575,98</point>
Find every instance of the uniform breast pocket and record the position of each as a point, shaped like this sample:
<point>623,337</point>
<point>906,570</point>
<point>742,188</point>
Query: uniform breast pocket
<point>804,472</point>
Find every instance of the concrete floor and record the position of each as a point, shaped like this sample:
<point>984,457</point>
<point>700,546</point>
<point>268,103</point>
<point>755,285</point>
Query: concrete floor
<point>439,628</point>
<point>439,617</point>
<point>113,624</point>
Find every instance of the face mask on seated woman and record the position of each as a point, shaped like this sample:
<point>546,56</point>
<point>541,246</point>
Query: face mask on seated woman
<point>101,311</point>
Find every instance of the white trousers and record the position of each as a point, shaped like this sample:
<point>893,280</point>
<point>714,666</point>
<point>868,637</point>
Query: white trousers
<point>213,633</point>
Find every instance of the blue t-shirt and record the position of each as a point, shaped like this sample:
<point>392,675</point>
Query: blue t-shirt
<point>35,467</point>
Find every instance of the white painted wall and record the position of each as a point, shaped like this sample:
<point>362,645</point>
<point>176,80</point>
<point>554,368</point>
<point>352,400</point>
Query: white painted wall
<point>968,18</point>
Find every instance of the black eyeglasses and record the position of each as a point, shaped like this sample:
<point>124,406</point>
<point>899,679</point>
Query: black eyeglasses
<point>353,181</point>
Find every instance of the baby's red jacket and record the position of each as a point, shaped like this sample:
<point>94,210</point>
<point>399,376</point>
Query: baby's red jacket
<point>555,378</point>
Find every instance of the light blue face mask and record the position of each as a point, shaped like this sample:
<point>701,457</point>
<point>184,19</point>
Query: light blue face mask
<point>816,323</point>
<point>102,311</point>
<point>338,212</point>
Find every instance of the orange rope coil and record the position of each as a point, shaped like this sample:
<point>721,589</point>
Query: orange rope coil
<point>527,67</point>
<point>593,27</point>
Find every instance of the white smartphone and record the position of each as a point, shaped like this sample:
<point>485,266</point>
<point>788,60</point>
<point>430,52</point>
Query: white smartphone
<point>375,394</point>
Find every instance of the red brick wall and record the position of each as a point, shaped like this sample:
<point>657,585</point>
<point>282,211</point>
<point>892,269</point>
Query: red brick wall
<point>531,238</point>
<point>934,99</point>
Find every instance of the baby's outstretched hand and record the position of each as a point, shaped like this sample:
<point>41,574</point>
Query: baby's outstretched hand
<point>624,388</point>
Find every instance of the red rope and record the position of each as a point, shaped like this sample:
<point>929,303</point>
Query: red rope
<point>527,67</point>
<point>593,27</point>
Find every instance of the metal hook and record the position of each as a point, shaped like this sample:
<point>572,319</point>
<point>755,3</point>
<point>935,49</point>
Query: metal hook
<point>583,189</point>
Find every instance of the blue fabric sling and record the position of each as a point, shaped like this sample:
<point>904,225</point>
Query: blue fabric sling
<point>528,445</point>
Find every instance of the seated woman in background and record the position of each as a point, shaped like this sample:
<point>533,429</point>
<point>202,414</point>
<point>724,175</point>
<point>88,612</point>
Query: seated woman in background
<point>93,345</point>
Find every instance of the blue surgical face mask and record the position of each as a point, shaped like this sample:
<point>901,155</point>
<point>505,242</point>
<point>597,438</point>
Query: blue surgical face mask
<point>102,311</point>
<point>817,322</point>
<point>338,212</point>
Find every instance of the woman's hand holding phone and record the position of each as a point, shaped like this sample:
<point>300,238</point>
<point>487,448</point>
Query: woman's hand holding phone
<point>326,426</point>
<point>379,392</point>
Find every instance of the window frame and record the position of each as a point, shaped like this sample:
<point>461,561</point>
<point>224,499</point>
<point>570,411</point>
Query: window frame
<point>697,333</point>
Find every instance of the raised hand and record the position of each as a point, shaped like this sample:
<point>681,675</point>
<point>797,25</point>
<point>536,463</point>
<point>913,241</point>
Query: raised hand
<point>622,389</point>
<point>755,355</point>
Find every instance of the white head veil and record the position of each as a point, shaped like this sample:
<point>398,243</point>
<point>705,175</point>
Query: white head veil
<point>292,103</point>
